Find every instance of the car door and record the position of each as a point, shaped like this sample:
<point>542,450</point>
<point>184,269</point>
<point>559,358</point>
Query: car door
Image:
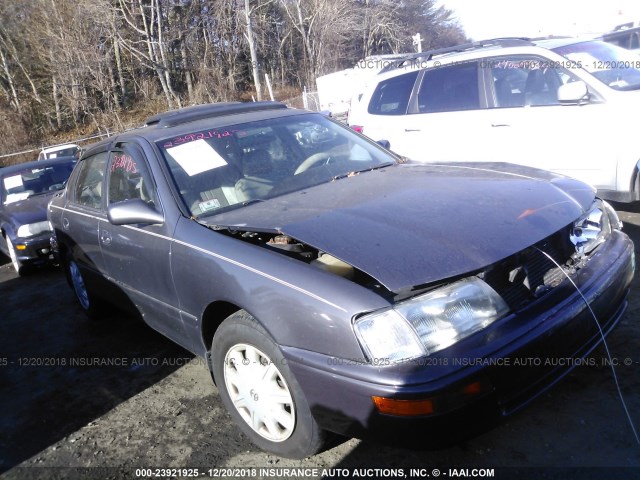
<point>81,218</point>
<point>137,257</point>
<point>447,116</point>
<point>535,129</point>
<point>386,110</point>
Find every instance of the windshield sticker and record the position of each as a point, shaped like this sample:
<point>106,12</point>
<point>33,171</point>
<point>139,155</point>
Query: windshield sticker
<point>212,204</point>
<point>13,182</point>
<point>196,157</point>
<point>192,137</point>
<point>123,162</point>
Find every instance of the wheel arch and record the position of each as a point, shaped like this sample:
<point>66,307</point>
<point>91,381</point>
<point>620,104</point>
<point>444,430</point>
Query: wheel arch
<point>214,314</point>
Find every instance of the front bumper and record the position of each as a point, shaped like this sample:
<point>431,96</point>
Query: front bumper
<point>37,249</point>
<point>486,376</point>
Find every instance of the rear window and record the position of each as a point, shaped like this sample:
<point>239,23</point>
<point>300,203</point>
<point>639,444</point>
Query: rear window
<point>391,97</point>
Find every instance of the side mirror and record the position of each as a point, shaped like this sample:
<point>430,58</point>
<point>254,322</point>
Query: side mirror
<point>131,212</point>
<point>574,93</point>
<point>384,143</point>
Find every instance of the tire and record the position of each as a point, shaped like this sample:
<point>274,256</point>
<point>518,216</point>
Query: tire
<point>17,265</point>
<point>91,307</point>
<point>259,390</point>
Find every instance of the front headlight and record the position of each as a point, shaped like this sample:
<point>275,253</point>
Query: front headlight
<point>594,227</point>
<point>430,322</point>
<point>32,229</point>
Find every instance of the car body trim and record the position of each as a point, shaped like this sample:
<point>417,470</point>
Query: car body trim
<point>216,255</point>
<point>142,294</point>
<point>77,212</point>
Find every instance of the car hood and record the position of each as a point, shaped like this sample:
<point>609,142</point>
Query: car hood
<point>410,225</point>
<point>30,210</point>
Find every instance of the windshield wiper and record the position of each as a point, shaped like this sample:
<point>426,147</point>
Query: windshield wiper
<point>41,193</point>
<point>369,169</point>
<point>630,88</point>
<point>255,200</point>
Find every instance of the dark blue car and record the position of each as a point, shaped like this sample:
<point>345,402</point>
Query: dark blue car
<point>25,191</point>
<point>332,287</point>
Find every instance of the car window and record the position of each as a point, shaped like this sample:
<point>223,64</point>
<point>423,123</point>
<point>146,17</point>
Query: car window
<point>629,39</point>
<point>223,168</point>
<point>449,89</point>
<point>88,189</point>
<point>614,66</point>
<point>391,97</point>
<point>527,81</point>
<point>128,178</point>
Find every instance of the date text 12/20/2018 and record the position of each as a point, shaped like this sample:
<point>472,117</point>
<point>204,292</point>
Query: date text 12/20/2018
<point>311,472</point>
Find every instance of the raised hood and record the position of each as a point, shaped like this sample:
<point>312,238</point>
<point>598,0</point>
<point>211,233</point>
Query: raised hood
<point>411,224</point>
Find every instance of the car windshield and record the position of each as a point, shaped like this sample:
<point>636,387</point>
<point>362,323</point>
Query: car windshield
<point>612,65</point>
<point>219,169</point>
<point>34,181</point>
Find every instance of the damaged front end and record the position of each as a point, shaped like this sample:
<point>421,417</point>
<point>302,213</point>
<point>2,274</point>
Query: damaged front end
<point>290,247</point>
<point>448,313</point>
<point>531,273</point>
<point>431,317</point>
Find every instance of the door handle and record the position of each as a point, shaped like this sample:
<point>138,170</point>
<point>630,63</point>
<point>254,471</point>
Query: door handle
<point>500,125</point>
<point>65,223</point>
<point>412,130</point>
<point>105,238</point>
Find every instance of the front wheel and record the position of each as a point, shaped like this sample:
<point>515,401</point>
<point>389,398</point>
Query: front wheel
<point>259,390</point>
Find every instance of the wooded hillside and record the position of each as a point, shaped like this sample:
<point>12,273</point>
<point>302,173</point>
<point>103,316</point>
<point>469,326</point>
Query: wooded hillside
<point>85,65</point>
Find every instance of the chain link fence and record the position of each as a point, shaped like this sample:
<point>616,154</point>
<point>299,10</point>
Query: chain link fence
<point>308,100</point>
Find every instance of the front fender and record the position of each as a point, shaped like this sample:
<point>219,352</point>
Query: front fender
<point>299,305</point>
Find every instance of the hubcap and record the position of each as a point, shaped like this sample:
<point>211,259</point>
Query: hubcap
<point>12,256</point>
<point>78,285</point>
<point>259,392</point>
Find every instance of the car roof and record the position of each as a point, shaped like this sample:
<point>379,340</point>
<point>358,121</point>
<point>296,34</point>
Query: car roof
<point>8,170</point>
<point>551,43</point>
<point>199,117</point>
<point>415,61</point>
<point>492,43</point>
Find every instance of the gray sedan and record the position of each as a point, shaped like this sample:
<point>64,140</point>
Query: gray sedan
<point>332,287</point>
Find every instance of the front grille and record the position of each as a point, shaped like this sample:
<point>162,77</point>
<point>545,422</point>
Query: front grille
<point>529,274</point>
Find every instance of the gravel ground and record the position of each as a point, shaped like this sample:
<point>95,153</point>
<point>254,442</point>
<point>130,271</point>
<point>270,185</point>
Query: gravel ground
<point>64,413</point>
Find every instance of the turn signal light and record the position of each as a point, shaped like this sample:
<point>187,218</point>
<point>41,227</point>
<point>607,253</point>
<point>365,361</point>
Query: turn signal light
<point>439,403</point>
<point>403,408</point>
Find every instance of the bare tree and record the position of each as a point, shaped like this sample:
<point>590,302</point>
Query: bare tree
<point>72,63</point>
<point>323,26</point>
<point>252,49</point>
<point>146,22</point>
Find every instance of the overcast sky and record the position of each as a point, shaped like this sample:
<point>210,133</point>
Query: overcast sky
<point>484,19</point>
